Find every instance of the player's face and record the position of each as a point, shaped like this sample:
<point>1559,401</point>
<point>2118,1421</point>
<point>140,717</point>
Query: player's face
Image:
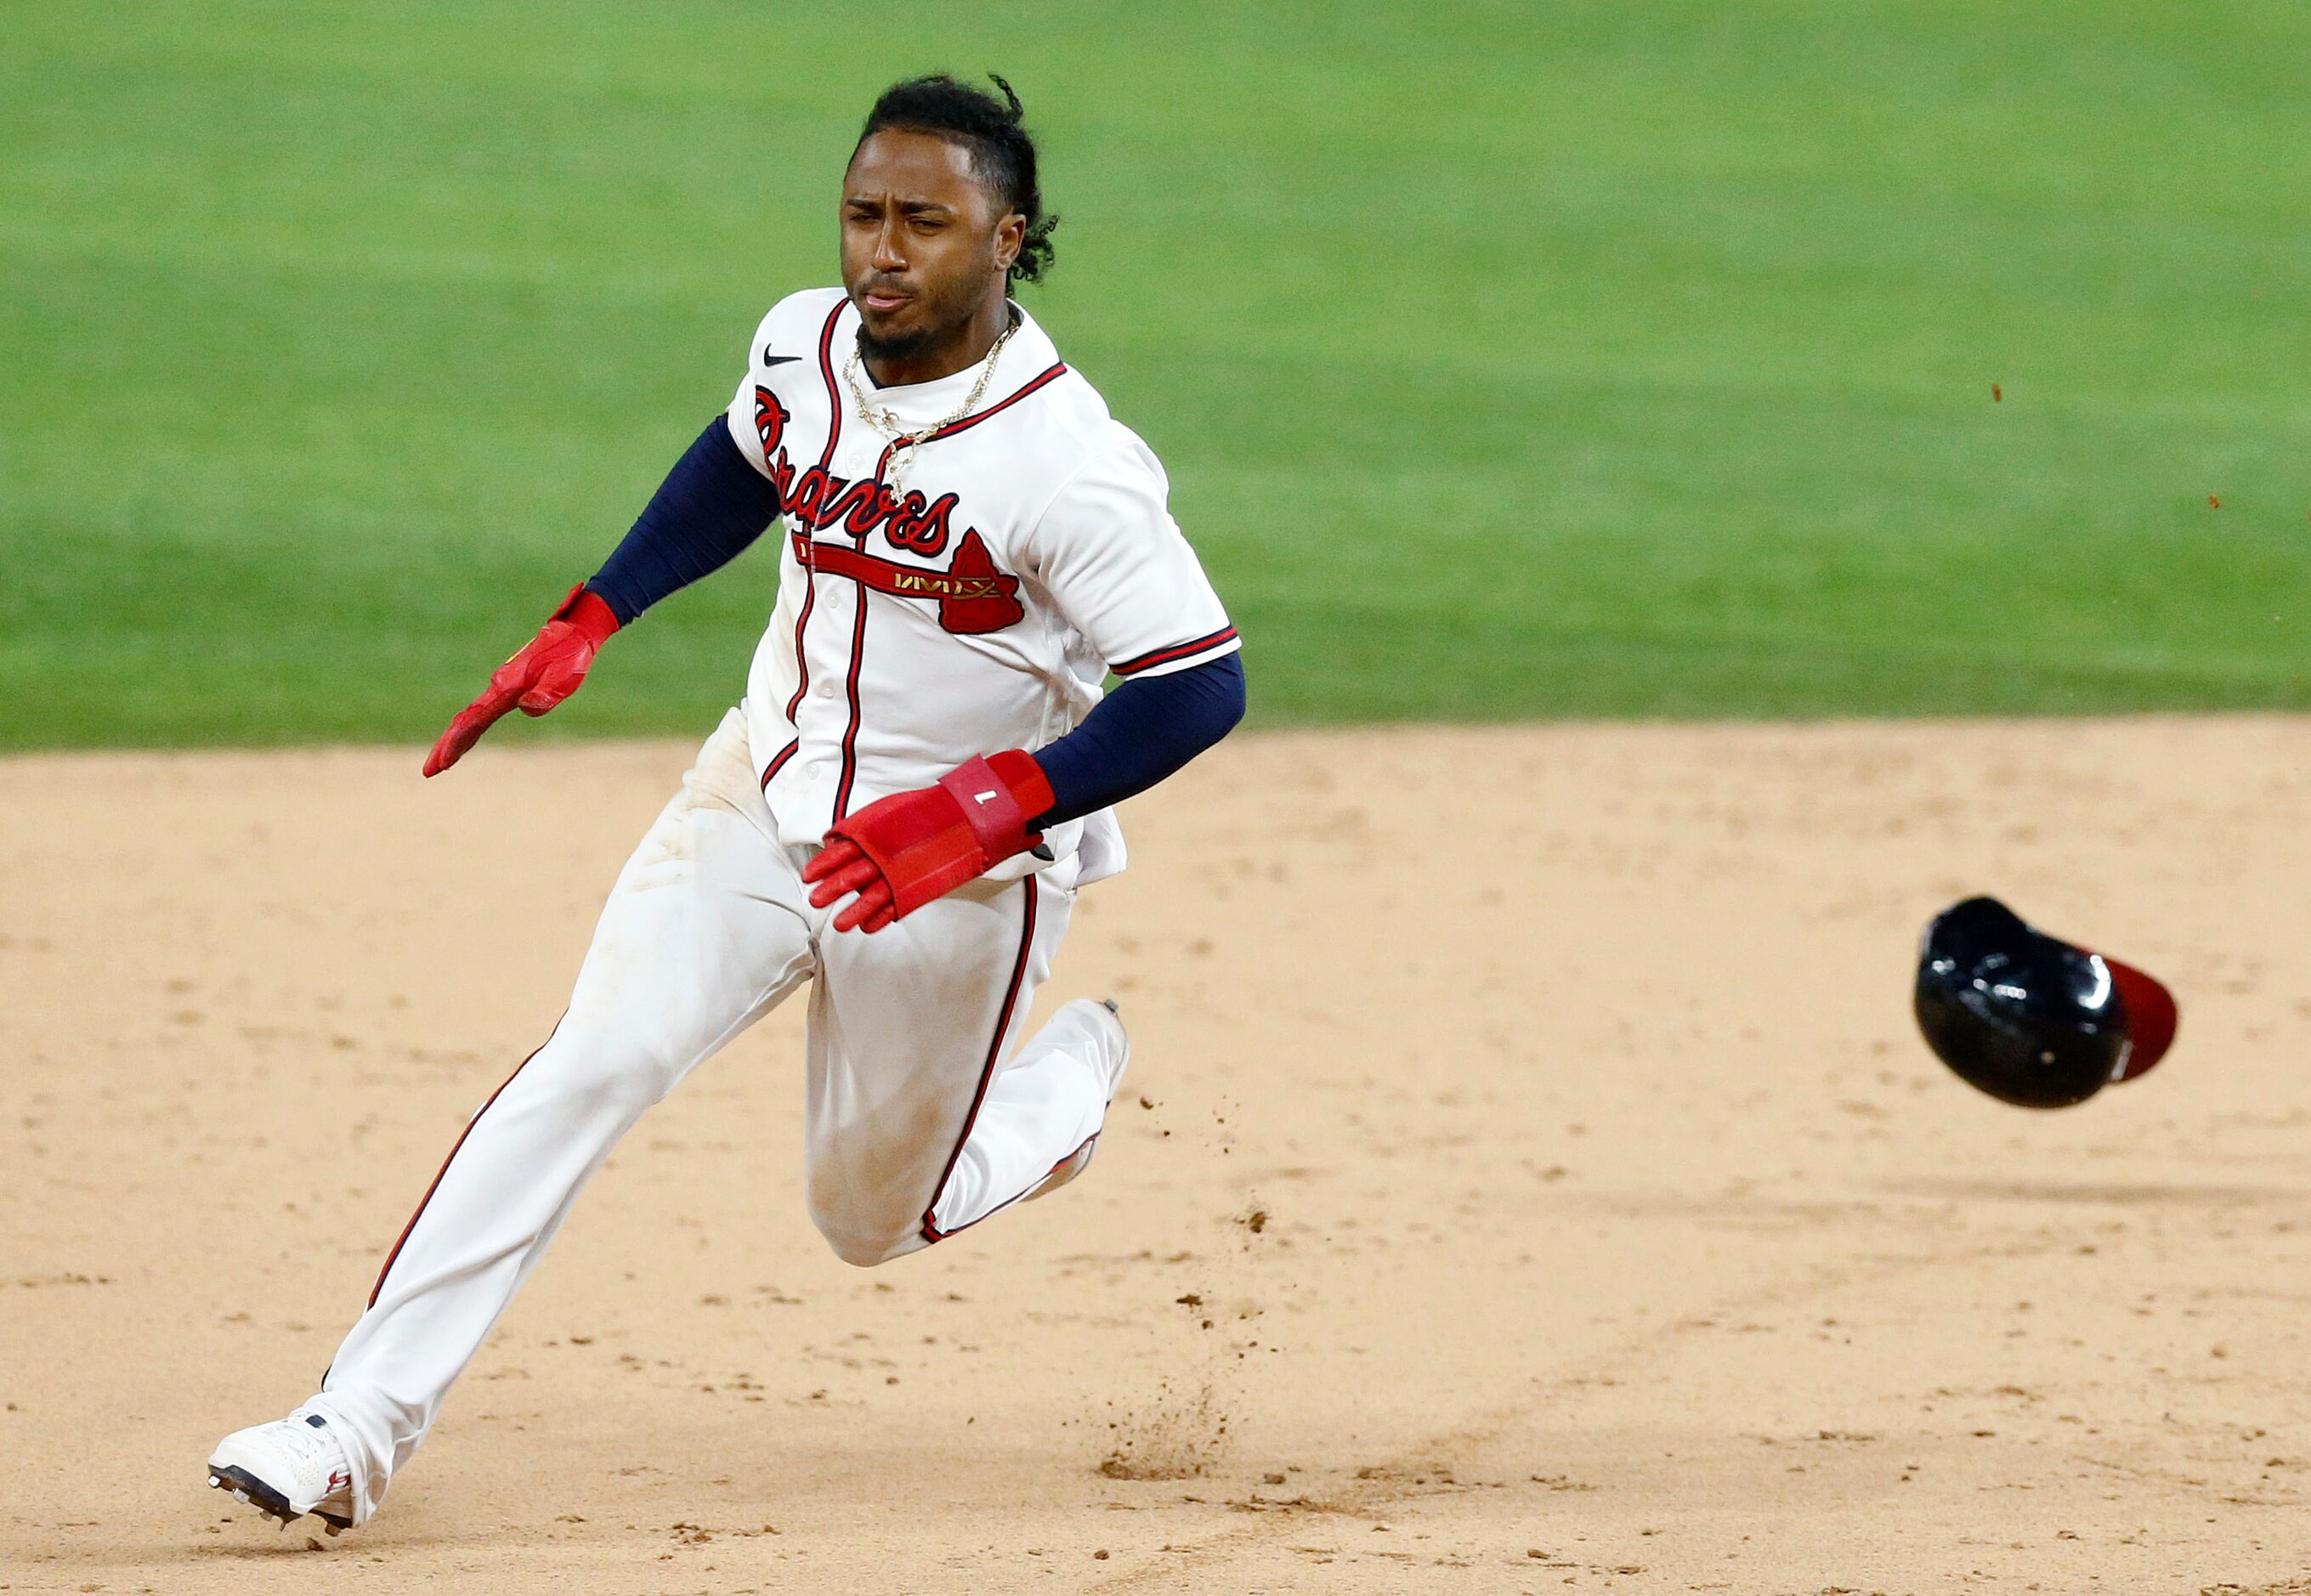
<point>926,245</point>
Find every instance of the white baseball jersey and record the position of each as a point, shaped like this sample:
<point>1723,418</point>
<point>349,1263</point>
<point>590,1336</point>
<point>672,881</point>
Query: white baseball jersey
<point>976,608</point>
<point>1027,554</point>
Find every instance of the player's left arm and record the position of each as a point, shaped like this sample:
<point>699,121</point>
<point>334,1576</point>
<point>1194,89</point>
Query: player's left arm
<point>1141,733</point>
<point>1109,554</point>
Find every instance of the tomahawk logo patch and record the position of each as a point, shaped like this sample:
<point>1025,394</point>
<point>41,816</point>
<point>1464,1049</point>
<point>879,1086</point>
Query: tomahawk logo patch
<point>973,596</point>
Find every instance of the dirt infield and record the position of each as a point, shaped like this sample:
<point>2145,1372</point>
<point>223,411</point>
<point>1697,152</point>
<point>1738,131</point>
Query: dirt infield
<point>1529,1179</point>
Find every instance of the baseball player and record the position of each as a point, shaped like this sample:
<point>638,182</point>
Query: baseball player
<point>900,813</point>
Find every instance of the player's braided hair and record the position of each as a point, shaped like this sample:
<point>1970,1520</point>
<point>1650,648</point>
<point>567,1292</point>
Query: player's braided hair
<point>1002,149</point>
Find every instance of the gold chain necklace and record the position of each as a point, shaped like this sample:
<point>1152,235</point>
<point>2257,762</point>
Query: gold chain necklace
<point>884,421</point>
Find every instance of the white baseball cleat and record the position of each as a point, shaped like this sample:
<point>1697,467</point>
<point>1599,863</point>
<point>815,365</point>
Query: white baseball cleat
<point>286,1469</point>
<point>1105,1015</point>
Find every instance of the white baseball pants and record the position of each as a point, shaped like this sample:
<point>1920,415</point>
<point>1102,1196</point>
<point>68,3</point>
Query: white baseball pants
<point>916,1125</point>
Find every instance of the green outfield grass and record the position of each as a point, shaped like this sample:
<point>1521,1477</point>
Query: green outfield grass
<point>1509,361</point>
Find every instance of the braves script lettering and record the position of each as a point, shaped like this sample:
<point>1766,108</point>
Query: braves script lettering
<point>973,596</point>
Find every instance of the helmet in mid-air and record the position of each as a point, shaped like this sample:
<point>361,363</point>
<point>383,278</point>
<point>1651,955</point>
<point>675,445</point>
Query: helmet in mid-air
<point>2029,1018</point>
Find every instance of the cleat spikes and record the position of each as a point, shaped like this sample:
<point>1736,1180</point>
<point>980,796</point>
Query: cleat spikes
<point>285,1471</point>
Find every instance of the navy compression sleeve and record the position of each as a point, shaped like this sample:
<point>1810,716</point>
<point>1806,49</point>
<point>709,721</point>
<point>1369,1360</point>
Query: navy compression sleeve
<point>1140,734</point>
<point>710,506</point>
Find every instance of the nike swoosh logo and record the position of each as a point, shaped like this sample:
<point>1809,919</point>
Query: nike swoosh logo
<point>778,360</point>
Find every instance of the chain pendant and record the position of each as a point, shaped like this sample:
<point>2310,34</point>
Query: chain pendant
<point>886,422</point>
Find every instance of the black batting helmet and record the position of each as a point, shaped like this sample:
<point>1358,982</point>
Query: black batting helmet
<point>2029,1018</point>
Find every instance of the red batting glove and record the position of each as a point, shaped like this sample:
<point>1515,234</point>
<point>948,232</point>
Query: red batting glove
<point>900,852</point>
<point>548,669</point>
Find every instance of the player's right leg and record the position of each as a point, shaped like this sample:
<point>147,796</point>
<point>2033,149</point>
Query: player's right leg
<point>703,934</point>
